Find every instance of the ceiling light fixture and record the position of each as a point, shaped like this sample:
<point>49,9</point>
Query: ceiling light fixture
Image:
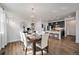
<point>33,14</point>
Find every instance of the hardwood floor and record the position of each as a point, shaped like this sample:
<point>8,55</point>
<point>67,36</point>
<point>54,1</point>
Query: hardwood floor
<point>66,46</point>
<point>14,48</point>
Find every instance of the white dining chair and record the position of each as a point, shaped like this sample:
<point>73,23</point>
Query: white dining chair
<point>44,43</point>
<point>24,39</point>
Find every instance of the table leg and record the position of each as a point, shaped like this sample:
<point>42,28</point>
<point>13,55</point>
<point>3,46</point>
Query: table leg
<point>34,48</point>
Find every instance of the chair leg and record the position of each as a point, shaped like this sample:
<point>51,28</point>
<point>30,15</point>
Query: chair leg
<point>42,52</point>
<point>47,49</point>
<point>26,51</point>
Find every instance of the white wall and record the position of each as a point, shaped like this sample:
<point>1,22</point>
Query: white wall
<point>77,26</point>
<point>38,25</point>
<point>70,26</point>
<point>13,27</point>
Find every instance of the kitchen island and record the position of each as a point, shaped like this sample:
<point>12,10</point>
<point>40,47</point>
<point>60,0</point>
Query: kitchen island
<point>58,33</point>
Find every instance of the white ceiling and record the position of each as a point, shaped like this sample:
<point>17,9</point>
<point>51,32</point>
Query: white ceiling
<point>45,11</point>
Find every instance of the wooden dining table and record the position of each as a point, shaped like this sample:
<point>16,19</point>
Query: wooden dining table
<point>34,39</point>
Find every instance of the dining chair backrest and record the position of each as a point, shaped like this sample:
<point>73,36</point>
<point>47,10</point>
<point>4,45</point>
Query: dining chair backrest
<point>44,41</point>
<point>24,39</point>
